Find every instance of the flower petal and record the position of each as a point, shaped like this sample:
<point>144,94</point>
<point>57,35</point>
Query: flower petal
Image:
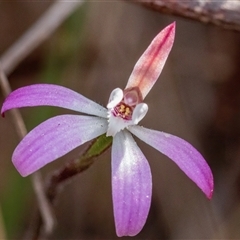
<point>150,65</point>
<point>139,112</point>
<point>182,153</point>
<point>131,185</point>
<point>116,124</point>
<point>115,98</point>
<point>52,95</point>
<point>53,139</point>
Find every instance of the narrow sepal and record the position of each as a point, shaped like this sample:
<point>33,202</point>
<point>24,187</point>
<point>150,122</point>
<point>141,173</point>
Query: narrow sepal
<point>53,139</point>
<point>150,65</point>
<point>52,95</point>
<point>189,160</point>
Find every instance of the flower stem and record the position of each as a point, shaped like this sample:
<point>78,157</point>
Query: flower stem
<point>76,166</point>
<point>59,177</point>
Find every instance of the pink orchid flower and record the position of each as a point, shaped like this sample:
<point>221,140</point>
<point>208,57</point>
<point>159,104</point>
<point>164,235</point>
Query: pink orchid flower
<point>131,175</point>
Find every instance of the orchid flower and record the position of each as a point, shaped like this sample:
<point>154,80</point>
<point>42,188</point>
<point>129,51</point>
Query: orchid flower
<point>131,175</point>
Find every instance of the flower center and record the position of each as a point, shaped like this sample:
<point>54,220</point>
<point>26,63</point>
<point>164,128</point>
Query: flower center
<point>125,108</point>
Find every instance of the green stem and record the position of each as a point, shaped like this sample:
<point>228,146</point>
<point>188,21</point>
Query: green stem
<point>96,148</point>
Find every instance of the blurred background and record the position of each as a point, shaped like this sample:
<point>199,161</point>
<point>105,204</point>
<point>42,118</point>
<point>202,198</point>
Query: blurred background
<point>197,97</point>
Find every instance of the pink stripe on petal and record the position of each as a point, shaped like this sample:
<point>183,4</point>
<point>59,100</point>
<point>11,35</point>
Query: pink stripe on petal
<point>189,160</point>
<point>52,95</point>
<point>131,185</point>
<point>53,139</point>
<point>150,65</point>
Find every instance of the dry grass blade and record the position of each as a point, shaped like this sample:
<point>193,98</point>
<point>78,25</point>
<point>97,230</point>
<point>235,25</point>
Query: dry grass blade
<point>40,31</point>
<point>2,230</point>
<point>44,206</point>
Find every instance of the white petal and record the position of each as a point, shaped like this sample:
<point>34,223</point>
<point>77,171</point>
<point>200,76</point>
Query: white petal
<point>116,124</point>
<point>139,112</point>
<point>115,98</point>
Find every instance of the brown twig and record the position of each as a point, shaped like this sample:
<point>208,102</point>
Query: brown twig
<point>223,13</point>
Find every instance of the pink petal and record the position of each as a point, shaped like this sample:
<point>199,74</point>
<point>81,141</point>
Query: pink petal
<point>53,139</point>
<point>131,185</point>
<point>150,65</point>
<point>182,153</point>
<point>52,95</point>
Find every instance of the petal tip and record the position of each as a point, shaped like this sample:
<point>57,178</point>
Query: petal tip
<point>19,167</point>
<point>209,195</point>
<point>3,110</point>
<point>171,28</point>
<point>173,24</point>
<point>130,233</point>
<point>23,174</point>
<point>208,187</point>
